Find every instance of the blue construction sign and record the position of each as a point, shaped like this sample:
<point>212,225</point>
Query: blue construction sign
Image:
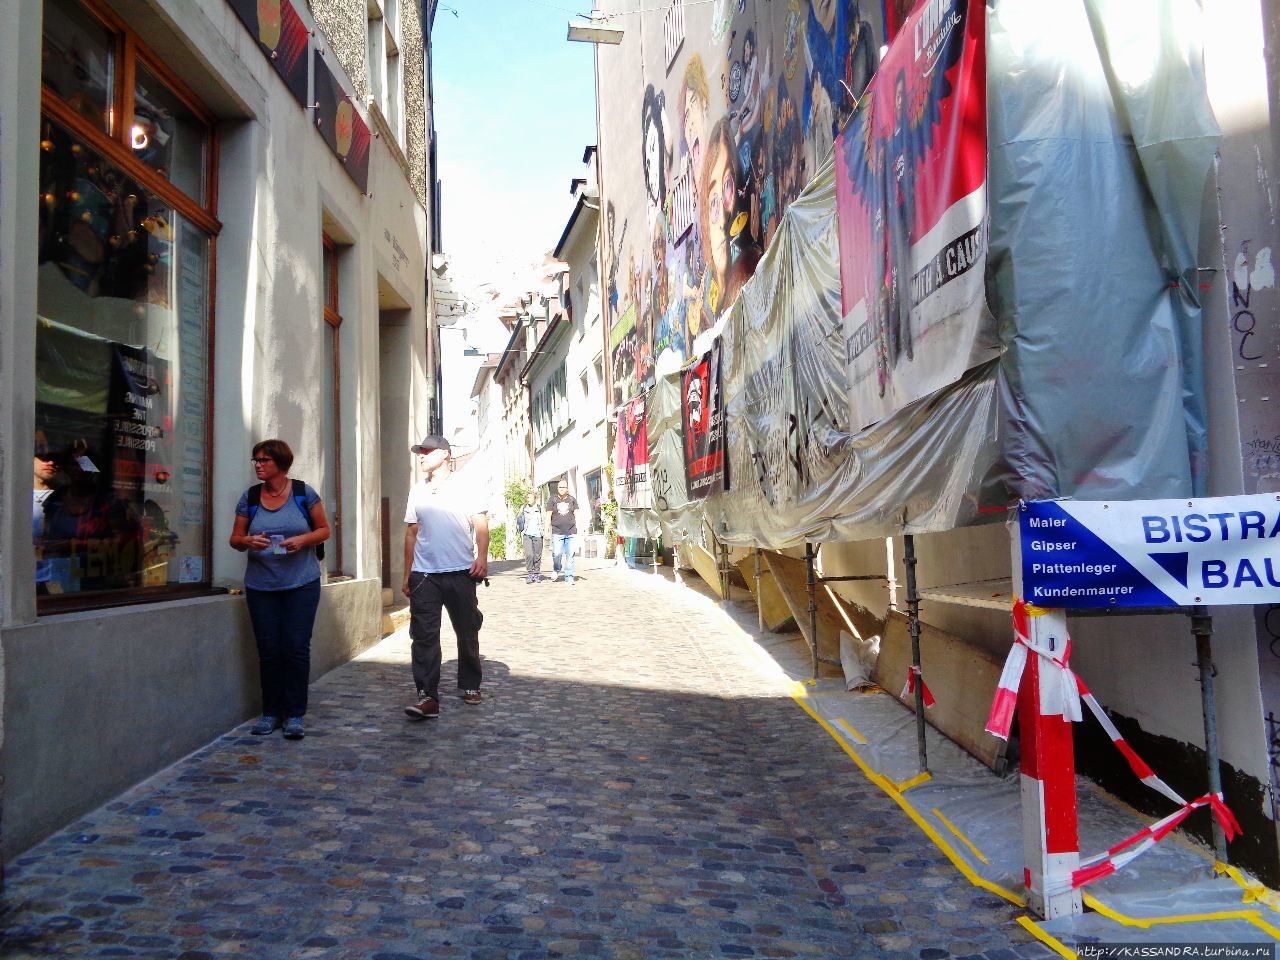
<point>1151,553</point>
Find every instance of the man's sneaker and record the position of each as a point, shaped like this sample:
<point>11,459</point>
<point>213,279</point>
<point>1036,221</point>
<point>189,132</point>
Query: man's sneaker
<point>295,728</point>
<point>265,725</point>
<point>471,697</point>
<point>568,579</point>
<point>428,708</point>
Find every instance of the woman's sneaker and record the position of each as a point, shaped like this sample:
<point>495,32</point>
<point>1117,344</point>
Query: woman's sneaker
<point>295,728</point>
<point>265,725</point>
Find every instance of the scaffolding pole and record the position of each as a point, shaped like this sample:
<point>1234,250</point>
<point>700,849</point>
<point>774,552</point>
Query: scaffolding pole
<point>759,599</point>
<point>813,605</point>
<point>1202,628</point>
<point>913,628</point>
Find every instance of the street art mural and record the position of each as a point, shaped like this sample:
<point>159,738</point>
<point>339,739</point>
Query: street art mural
<point>733,113</point>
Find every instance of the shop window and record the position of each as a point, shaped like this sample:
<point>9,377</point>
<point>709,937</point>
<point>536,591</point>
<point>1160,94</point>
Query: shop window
<point>125,252</point>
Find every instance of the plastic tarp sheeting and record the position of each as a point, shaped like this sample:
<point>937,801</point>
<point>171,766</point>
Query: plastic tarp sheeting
<point>1100,141</point>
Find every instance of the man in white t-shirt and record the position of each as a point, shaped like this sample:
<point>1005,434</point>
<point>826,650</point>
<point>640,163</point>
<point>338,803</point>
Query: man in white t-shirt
<point>446,554</point>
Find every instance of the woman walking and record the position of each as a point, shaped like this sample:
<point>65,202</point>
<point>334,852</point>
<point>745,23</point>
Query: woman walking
<point>530,524</point>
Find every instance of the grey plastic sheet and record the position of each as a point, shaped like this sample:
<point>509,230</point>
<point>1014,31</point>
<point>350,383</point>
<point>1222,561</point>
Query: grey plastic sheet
<point>1100,142</point>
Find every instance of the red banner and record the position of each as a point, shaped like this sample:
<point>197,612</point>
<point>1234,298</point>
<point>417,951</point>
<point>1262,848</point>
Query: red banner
<point>706,469</point>
<point>912,205</point>
<point>631,458</point>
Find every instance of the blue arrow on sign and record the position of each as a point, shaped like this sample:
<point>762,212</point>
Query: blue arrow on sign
<point>1174,564</point>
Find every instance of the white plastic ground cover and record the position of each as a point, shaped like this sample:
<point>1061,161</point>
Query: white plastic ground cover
<point>1169,895</point>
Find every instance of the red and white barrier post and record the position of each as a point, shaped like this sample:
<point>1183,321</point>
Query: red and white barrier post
<point>1046,706</point>
<point>1050,835</point>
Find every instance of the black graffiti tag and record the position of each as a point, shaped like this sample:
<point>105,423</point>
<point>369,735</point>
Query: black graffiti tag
<point>1242,320</point>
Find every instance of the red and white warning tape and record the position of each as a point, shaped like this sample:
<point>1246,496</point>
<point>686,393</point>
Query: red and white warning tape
<point>1065,703</point>
<point>1001,718</point>
<point>909,688</point>
<point>1105,864</point>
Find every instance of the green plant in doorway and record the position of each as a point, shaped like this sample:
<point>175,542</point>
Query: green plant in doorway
<point>498,542</point>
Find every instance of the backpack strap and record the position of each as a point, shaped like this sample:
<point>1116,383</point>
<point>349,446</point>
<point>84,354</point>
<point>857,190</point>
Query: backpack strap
<point>255,500</point>
<point>300,498</point>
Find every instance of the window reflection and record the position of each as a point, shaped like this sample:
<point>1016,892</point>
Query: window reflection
<point>166,136</point>
<point>121,378</point>
<point>77,60</point>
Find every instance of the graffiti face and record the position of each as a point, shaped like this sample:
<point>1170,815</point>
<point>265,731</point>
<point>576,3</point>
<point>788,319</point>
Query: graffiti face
<point>695,118</point>
<point>652,160</point>
<point>720,191</point>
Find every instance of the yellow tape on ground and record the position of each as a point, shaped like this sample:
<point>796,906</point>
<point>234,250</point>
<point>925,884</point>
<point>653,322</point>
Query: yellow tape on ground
<point>888,786</point>
<point>960,836</point>
<point>1145,923</point>
<point>852,732</point>
<point>915,781</point>
<point>1034,929</point>
<point>1254,892</point>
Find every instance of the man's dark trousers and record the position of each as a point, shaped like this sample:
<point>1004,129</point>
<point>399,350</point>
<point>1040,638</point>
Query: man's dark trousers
<point>456,593</point>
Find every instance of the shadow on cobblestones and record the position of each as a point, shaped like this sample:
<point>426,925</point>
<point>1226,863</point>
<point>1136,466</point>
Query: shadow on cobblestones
<point>633,786</point>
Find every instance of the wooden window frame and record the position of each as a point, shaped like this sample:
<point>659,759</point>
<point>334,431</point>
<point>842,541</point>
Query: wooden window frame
<point>333,323</point>
<point>114,143</point>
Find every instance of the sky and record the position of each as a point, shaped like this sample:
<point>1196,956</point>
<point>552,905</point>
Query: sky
<point>514,109</point>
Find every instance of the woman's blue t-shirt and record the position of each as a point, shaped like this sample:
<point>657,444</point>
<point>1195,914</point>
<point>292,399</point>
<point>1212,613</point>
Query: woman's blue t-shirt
<point>272,571</point>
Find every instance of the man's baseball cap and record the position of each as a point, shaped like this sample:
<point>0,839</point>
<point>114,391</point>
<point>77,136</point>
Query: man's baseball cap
<point>431,442</point>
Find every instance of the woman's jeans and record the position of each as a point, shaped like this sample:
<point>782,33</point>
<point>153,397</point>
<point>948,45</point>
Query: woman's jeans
<point>282,624</point>
<point>533,555</point>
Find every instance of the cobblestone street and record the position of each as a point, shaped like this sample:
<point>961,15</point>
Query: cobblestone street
<point>634,785</point>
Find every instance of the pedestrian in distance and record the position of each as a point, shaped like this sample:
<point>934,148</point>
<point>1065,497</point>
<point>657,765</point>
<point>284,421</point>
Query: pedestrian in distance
<point>281,524</point>
<point>529,523</point>
<point>564,530</point>
<point>446,550</point>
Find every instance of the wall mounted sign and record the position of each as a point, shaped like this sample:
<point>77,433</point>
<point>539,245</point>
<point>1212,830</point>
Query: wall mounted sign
<point>1151,553</point>
<point>282,37</point>
<point>341,125</point>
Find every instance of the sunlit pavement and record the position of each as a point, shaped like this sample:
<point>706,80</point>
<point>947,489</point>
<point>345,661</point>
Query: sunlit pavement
<point>637,783</point>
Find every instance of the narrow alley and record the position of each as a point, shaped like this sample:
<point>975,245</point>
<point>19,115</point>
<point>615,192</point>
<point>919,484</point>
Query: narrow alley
<point>636,784</point>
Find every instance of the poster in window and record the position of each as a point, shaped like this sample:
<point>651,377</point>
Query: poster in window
<point>282,37</point>
<point>107,525</point>
<point>341,125</point>
<point>706,469</point>
<point>631,458</point>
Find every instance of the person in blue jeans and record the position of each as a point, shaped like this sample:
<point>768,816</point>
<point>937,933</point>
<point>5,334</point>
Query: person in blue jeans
<point>281,583</point>
<point>564,529</point>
